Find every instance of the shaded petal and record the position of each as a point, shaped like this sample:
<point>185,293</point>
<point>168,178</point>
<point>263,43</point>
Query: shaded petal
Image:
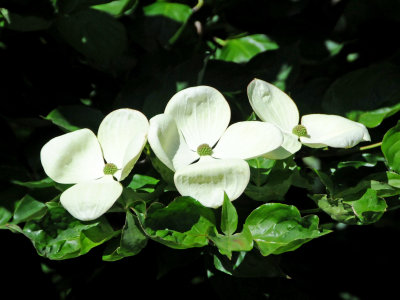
<point>207,180</point>
<point>168,144</point>
<point>73,157</point>
<point>272,105</point>
<point>122,135</point>
<point>201,114</point>
<point>248,139</point>
<point>333,131</point>
<point>89,200</point>
<point>290,146</point>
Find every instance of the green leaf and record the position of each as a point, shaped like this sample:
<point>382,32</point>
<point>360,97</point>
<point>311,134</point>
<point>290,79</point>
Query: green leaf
<point>95,34</point>
<point>131,242</point>
<point>184,223</point>
<point>270,184</point>
<point>143,182</point>
<point>27,209</point>
<point>175,11</point>
<point>229,217</point>
<point>369,88</point>
<point>116,7</point>
<point>391,147</point>
<point>26,23</point>
<point>5,215</point>
<point>60,236</point>
<point>371,160</point>
<point>279,228</point>
<point>243,49</point>
<point>226,244</point>
<point>393,179</point>
<point>75,117</point>
<point>39,184</point>
<point>369,208</point>
<point>375,117</point>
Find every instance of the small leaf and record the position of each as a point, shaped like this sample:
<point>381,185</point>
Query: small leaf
<point>229,217</point>
<point>28,208</point>
<point>277,228</point>
<point>132,241</point>
<point>373,118</point>
<point>74,117</point>
<point>140,181</point>
<point>226,244</point>
<point>175,11</point>
<point>369,208</point>
<point>116,7</point>
<point>391,147</point>
<point>39,184</point>
<point>241,50</point>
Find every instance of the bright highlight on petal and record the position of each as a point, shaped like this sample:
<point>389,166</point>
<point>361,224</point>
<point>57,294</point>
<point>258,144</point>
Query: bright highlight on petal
<point>73,157</point>
<point>168,144</point>
<point>201,113</point>
<point>207,180</point>
<point>333,131</point>
<point>89,200</point>
<point>122,136</point>
<point>272,105</point>
<point>248,139</point>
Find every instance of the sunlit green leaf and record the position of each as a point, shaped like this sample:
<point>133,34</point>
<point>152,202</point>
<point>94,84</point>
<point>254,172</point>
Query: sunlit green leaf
<point>391,147</point>
<point>229,217</point>
<point>375,117</point>
<point>27,209</point>
<point>279,228</point>
<point>143,182</point>
<point>116,7</point>
<point>175,11</point>
<point>60,236</point>
<point>241,50</point>
<point>369,208</point>
<point>44,183</point>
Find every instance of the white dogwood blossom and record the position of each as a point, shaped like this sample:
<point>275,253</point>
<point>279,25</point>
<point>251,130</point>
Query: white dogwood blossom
<point>193,139</point>
<point>316,130</point>
<point>95,165</point>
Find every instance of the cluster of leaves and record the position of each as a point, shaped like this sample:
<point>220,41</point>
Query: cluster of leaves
<point>73,61</point>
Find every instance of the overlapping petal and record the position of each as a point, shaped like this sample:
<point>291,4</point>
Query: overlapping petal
<point>208,179</point>
<point>333,131</point>
<point>73,157</point>
<point>89,200</point>
<point>168,144</point>
<point>248,139</point>
<point>122,135</point>
<point>290,146</point>
<point>272,105</point>
<point>201,113</point>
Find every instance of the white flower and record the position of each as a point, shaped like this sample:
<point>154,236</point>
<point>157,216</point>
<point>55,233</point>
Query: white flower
<point>77,158</point>
<point>316,130</point>
<point>194,127</point>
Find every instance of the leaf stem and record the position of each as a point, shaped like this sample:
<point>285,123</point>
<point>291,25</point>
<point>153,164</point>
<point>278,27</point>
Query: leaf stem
<point>199,5</point>
<point>370,146</point>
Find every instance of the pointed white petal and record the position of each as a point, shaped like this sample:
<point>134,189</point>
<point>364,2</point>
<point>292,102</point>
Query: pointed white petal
<point>122,135</point>
<point>248,139</point>
<point>207,180</point>
<point>73,157</point>
<point>201,114</point>
<point>290,146</point>
<point>333,131</point>
<point>89,200</point>
<point>272,105</point>
<point>168,144</point>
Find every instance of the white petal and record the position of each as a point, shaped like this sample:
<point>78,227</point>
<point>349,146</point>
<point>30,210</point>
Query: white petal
<point>89,200</point>
<point>122,135</point>
<point>201,114</point>
<point>333,131</point>
<point>290,146</point>
<point>207,180</point>
<point>248,139</point>
<point>168,144</point>
<point>272,105</point>
<point>73,157</point>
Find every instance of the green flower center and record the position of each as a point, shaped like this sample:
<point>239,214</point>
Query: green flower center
<point>300,130</point>
<point>110,169</point>
<point>204,149</point>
